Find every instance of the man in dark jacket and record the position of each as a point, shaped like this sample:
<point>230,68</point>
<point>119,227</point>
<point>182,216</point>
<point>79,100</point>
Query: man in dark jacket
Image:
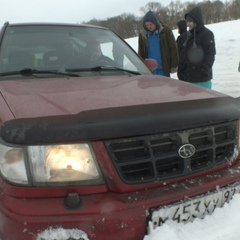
<point>181,40</point>
<point>197,58</point>
<point>158,43</point>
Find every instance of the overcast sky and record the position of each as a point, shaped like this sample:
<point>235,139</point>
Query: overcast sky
<point>70,11</point>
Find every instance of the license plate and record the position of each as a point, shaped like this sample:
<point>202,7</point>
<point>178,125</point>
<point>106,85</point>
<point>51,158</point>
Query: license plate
<point>188,210</point>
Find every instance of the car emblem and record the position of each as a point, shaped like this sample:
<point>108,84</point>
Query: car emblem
<point>186,151</point>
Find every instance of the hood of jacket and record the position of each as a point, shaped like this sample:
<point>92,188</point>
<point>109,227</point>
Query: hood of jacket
<point>196,15</point>
<point>182,25</point>
<point>150,17</point>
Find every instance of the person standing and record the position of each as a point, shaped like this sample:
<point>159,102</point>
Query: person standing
<point>158,43</point>
<point>198,57</point>
<point>181,41</point>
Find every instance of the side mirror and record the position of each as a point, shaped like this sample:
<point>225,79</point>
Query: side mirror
<point>151,63</point>
<point>238,100</point>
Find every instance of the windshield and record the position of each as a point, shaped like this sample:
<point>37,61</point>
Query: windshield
<point>46,49</point>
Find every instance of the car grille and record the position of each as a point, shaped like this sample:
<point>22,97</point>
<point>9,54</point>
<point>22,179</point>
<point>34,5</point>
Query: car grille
<point>155,157</point>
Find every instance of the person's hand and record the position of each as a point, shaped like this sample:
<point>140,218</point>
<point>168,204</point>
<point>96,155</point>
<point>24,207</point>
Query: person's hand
<point>173,70</point>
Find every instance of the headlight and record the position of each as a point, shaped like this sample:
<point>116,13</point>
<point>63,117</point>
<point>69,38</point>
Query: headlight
<point>238,134</point>
<point>46,165</point>
<point>12,164</point>
<point>62,163</point>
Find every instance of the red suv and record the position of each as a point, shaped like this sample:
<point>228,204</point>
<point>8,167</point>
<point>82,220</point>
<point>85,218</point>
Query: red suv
<point>91,140</point>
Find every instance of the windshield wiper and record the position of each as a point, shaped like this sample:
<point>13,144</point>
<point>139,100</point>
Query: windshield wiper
<point>102,68</point>
<point>31,72</point>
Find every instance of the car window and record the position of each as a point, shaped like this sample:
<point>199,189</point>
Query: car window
<point>62,48</point>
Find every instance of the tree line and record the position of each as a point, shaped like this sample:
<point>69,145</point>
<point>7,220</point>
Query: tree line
<point>129,25</point>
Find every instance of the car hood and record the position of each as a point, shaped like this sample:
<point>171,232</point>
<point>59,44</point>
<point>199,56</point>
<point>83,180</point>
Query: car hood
<point>65,96</point>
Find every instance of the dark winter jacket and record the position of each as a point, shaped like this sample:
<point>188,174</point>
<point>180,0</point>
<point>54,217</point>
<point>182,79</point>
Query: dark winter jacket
<point>197,58</point>
<point>181,40</point>
<point>169,52</point>
<point>183,34</point>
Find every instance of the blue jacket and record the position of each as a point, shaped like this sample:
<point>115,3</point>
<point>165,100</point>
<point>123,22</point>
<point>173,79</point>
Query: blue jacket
<point>167,43</point>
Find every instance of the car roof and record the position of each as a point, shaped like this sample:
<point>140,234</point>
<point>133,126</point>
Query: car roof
<point>52,24</point>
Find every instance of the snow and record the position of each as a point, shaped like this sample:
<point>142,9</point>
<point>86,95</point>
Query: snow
<point>62,234</point>
<point>223,224</point>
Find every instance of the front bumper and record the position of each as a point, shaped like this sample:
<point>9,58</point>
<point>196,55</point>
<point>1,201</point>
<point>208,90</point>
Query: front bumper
<point>102,216</point>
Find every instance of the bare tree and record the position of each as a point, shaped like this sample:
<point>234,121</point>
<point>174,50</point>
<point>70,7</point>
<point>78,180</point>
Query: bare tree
<point>206,8</point>
<point>128,25</point>
<point>174,13</point>
<point>226,12</point>
<point>217,11</point>
<point>153,6</point>
<point>234,9</point>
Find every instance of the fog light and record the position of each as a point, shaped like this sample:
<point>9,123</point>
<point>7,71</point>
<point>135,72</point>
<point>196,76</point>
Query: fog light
<point>72,201</point>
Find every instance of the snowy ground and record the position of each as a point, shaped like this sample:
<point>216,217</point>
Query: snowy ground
<point>224,223</point>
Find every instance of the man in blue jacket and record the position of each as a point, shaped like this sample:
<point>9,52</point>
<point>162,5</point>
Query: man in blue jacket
<point>158,42</point>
